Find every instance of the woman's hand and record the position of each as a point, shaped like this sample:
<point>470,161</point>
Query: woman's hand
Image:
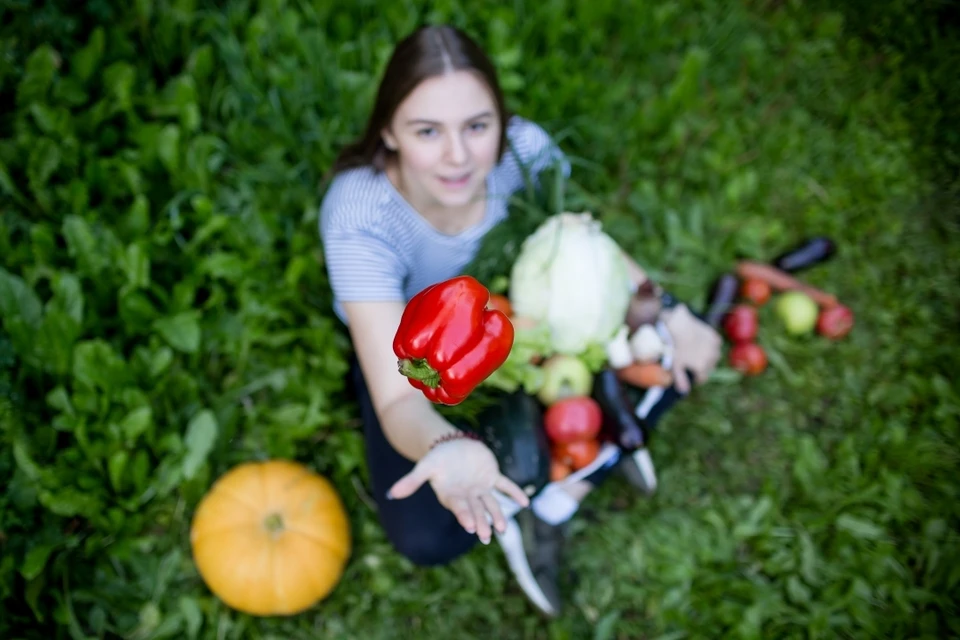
<point>463,474</point>
<point>696,346</point>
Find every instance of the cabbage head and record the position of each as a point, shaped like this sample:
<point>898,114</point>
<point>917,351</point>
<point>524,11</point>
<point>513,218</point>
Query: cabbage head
<point>573,277</point>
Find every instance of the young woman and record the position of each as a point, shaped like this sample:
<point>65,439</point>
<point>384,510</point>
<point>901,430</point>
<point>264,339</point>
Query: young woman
<point>409,204</point>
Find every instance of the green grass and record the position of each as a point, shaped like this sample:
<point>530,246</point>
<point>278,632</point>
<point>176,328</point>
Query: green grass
<point>161,166</point>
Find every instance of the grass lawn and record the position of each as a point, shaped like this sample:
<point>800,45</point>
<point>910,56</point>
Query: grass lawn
<point>165,315</point>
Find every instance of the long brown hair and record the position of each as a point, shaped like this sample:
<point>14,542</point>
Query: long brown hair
<point>427,52</point>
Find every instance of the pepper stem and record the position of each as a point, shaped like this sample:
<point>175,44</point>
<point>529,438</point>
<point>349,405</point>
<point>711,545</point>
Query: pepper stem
<point>418,369</point>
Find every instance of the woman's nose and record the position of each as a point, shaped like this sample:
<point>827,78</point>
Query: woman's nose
<point>457,151</point>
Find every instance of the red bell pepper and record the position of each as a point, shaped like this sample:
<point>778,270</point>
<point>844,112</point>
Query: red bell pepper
<point>448,341</point>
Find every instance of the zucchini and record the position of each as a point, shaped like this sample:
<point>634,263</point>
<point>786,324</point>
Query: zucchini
<point>513,429</point>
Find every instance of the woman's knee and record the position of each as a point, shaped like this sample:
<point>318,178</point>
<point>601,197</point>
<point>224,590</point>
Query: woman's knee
<point>427,548</point>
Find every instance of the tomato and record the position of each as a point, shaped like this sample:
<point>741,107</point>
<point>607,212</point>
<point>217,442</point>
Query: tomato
<point>572,419</point>
<point>577,454</point>
<point>756,291</point>
<point>835,322</point>
<point>741,323</point>
<point>748,358</point>
<point>559,470</point>
<point>501,303</point>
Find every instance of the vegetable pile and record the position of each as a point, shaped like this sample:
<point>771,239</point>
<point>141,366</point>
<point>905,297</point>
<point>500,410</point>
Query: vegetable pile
<point>801,308</point>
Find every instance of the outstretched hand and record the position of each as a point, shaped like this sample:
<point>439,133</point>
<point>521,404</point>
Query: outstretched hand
<point>696,346</point>
<point>463,473</point>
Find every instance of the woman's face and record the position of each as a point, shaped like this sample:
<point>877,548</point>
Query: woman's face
<point>447,135</point>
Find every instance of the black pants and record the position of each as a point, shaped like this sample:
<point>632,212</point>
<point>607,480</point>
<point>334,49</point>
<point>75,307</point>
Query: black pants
<point>419,527</point>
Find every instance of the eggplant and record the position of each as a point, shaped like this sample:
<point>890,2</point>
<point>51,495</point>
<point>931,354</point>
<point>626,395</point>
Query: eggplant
<point>722,296</point>
<point>619,419</point>
<point>809,253</point>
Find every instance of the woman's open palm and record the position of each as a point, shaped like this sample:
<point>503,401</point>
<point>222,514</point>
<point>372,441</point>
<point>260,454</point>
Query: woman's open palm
<point>463,473</point>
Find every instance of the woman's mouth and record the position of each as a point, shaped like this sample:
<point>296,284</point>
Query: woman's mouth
<point>455,182</point>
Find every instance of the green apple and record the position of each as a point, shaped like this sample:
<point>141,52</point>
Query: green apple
<point>564,377</point>
<point>798,312</point>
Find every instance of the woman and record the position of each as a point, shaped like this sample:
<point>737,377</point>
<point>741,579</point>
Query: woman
<point>408,206</point>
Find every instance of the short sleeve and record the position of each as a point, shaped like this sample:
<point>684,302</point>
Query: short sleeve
<point>361,266</point>
<point>536,149</point>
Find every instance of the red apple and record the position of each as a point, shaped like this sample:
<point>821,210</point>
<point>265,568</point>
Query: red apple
<point>835,322</point>
<point>741,323</point>
<point>749,358</point>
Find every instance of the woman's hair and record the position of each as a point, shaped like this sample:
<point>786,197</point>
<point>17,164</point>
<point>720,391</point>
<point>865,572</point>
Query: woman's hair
<point>427,52</point>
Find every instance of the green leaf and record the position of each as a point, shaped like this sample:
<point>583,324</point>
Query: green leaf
<point>228,266</point>
<point>138,216</point>
<point>71,501</point>
<point>160,360</point>
<point>136,423</point>
<point>216,223</point>
<point>41,67</point>
<point>36,560</point>
<point>52,342</point>
<point>182,331</point>
<point>168,147</point>
<point>68,296</point>
<point>50,121</point>
<point>32,596</point>
<point>25,462</point>
<point>83,245</point>
<point>199,440</point>
<point>192,615</point>
<point>59,399</point>
<point>8,186</point>
<point>858,527</point>
<point>85,61</point>
<point>798,592</point>
<point>118,78</point>
<point>606,626</point>
<point>137,312</point>
<point>116,465</point>
<point>809,464</point>
<point>44,159</point>
<point>137,267</point>
<point>95,364</point>
<point>17,300</point>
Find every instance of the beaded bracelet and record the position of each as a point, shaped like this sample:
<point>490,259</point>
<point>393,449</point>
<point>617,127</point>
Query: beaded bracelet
<point>454,436</point>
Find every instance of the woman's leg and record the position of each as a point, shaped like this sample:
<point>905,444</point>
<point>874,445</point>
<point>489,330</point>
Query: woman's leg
<point>419,527</point>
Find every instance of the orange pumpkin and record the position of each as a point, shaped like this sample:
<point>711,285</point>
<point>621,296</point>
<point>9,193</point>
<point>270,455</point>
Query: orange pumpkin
<point>271,538</point>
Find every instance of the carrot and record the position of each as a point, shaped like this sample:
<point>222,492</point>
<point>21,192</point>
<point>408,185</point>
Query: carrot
<point>783,281</point>
<point>645,375</point>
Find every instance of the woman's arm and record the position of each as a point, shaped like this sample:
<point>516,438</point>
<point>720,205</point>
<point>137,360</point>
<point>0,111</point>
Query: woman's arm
<point>409,421</point>
<point>463,473</point>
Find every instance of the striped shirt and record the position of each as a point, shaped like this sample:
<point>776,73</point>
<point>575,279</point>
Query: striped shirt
<point>377,247</point>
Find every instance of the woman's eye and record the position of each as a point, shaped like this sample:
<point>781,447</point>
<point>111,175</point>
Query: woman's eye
<point>426,132</point>
<point>478,126</point>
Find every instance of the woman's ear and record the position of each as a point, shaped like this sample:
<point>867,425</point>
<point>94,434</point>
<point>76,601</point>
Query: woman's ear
<point>388,140</point>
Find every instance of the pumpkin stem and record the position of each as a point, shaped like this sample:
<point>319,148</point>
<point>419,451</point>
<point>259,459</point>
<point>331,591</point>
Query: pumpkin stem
<point>273,523</point>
